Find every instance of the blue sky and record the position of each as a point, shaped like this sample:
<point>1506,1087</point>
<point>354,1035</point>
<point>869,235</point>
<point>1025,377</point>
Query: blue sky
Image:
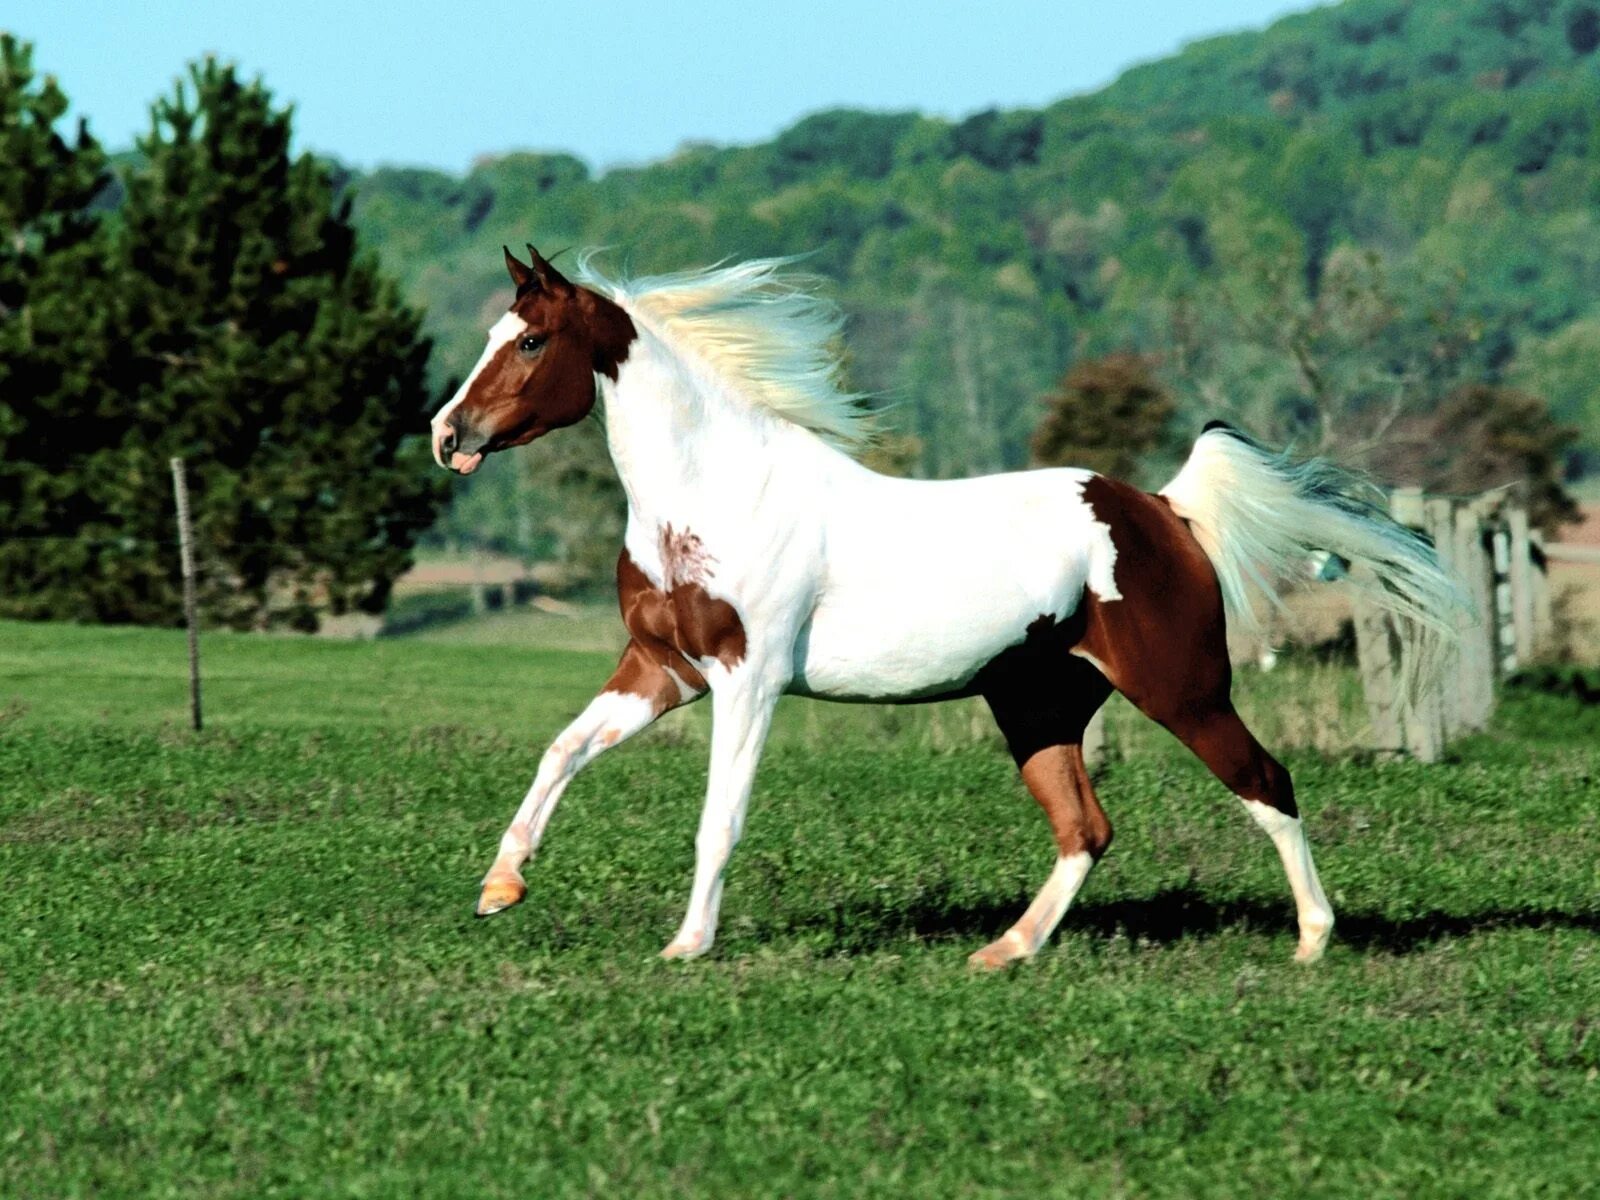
<point>613,81</point>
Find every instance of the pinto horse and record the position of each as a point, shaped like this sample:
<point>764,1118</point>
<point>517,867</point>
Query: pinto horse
<point>760,558</point>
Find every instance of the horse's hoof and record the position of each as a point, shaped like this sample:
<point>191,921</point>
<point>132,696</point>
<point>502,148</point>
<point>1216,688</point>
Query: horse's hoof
<point>1310,952</point>
<point>1312,944</point>
<point>500,893</point>
<point>686,948</point>
<point>996,956</point>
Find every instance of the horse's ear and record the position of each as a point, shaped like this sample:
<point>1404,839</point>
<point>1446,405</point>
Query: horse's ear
<point>520,275</point>
<point>550,279</point>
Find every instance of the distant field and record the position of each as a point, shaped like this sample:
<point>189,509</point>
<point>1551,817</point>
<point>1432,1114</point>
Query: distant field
<point>1576,586</point>
<point>244,964</point>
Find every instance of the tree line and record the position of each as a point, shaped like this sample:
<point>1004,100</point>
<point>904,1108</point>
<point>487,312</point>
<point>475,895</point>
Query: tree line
<point>1326,231</point>
<point>1367,230</point>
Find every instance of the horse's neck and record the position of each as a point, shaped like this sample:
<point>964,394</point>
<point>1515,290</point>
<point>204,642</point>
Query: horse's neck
<point>686,447</point>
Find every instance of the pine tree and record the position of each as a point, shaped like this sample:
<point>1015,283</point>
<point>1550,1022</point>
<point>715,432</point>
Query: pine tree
<point>276,360</point>
<point>59,315</point>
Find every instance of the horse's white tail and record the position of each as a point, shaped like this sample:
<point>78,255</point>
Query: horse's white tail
<point>1260,515</point>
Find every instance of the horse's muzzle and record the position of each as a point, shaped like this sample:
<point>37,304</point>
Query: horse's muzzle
<point>453,452</point>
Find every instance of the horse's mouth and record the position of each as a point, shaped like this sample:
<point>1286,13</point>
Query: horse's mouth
<point>465,464</point>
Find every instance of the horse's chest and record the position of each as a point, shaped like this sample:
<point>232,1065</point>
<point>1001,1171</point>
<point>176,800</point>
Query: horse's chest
<point>677,609</point>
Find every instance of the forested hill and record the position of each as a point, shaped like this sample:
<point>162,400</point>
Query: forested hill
<point>1360,207</point>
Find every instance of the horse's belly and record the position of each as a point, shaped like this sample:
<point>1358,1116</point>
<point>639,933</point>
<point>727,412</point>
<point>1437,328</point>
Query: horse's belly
<point>927,582</point>
<point>907,644</point>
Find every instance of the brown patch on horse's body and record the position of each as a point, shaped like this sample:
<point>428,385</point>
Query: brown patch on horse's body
<point>673,626</point>
<point>1162,644</point>
<point>647,669</point>
<point>1167,629</point>
<point>611,333</point>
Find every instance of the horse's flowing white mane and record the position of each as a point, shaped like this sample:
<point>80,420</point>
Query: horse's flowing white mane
<point>759,327</point>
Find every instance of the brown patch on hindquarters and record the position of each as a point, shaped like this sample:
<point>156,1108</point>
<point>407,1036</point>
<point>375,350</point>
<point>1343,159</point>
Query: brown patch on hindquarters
<point>1164,644</point>
<point>1166,634</point>
<point>680,623</point>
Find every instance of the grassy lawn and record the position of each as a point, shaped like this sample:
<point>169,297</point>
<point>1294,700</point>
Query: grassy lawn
<point>244,963</point>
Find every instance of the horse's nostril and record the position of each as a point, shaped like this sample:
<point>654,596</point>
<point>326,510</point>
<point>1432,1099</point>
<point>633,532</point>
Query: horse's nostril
<point>447,440</point>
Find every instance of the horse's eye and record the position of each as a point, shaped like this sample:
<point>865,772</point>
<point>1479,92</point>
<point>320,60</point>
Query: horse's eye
<point>531,344</point>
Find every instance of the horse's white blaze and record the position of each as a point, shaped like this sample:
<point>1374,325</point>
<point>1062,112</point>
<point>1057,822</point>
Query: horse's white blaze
<point>506,329</point>
<point>1314,913</point>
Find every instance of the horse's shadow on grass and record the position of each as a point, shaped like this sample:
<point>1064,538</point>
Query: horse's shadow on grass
<point>1171,916</point>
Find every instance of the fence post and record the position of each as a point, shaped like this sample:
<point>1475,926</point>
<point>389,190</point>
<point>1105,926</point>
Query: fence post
<point>1521,583</point>
<point>1423,727</point>
<point>1543,608</point>
<point>1505,637</point>
<point>180,492</point>
<point>1452,676</point>
<point>1475,626</point>
<point>1376,660</point>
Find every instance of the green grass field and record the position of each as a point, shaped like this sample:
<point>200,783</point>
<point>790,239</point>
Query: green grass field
<point>244,963</point>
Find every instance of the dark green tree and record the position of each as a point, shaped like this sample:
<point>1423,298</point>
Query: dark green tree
<point>1107,415</point>
<point>1485,436</point>
<point>59,306</point>
<point>276,360</point>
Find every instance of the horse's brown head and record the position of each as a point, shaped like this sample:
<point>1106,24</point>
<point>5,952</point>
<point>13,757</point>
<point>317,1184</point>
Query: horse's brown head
<point>538,371</point>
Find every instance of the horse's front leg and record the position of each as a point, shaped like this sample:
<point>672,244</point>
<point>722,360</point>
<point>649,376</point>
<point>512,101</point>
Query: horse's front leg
<point>647,682</point>
<point>742,704</point>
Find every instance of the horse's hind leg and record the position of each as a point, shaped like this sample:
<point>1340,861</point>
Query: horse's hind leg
<point>1163,644</point>
<point>1187,690</point>
<point>1044,730</point>
<point>1224,744</point>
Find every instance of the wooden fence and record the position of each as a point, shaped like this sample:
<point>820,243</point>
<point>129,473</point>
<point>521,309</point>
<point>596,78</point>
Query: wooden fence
<point>1486,541</point>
